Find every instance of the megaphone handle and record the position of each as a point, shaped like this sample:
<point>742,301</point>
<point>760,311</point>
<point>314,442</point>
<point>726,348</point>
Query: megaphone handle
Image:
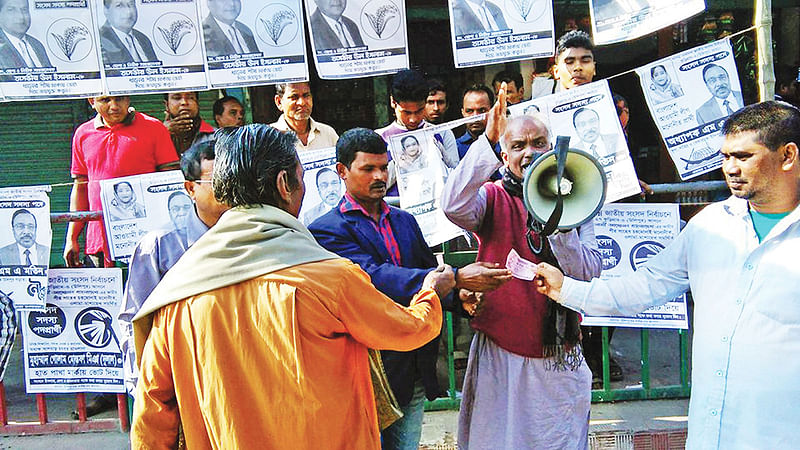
<point>562,144</point>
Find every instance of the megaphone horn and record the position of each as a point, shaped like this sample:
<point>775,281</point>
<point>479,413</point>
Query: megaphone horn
<point>564,188</point>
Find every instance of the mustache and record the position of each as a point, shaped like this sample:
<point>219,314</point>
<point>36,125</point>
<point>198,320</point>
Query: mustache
<point>378,185</point>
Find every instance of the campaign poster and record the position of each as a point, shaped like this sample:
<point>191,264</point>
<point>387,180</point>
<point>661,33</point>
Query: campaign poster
<point>25,245</point>
<point>627,236</point>
<point>48,50</point>
<point>420,174</point>
<point>134,205</point>
<point>496,31</point>
<point>150,45</point>
<point>624,20</point>
<point>324,188</point>
<point>587,115</point>
<point>690,94</point>
<point>250,43</point>
<point>357,38</point>
<point>72,345</point>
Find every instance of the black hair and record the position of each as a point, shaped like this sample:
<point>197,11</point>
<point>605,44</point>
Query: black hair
<point>479,88</point>
<point>407,138</point>
<point>409,86</point>
<point>508,76</point>
<point>196,95</point>
<point>574,39</point>
<point>580,110</point>
<point>192,158</point>
<point>785,75</point>
<point>219,105</point>
<point>175,195</point>
<point>325,170</point>
<point>709,67</point>
<point>248,161</point>
<point>775,123</point>
<point>358,140</point>
<point>436,85</point>
<point>21,211</point>
<point>653,69</point>
<point>117,185</point>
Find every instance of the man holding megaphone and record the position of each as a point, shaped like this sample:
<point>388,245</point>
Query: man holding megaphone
<point>525,361</point>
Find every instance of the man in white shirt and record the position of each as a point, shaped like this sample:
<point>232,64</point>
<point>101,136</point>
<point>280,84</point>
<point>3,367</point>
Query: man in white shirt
<point>723,101</point>
<point>224,35</point>
<point>17,48</point>
<point>295,102</point>
<point>119,41</point>
<point>738,259</point>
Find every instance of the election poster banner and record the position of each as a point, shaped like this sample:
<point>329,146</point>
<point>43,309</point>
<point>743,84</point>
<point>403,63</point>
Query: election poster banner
<point>690,94</point>
<point>25,247</point>
<point>627,236</point>
<point>624,20</point>
<point>250,43</point>
<point>496,31</point>
<point>357,38</point>
<point>587,114</point>
<point>150,45</point>
<point>72,345</point>
<point>48,50</point>
<point>420,176</point>
<point>134,205</point>
<point>324,188</point>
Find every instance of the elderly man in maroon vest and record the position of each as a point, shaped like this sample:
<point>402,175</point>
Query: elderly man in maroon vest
<point>527,385</point>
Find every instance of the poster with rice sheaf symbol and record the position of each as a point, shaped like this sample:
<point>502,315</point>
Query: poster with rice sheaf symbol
<point>690,94</point>
<point>150,45</point>
<point>249,43</point>
<point>48,50</point>
<point>496,31</point>
<point>357,38</point>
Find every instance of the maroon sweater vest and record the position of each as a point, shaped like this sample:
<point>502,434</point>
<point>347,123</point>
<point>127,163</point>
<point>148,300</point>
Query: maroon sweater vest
<point>511,315</point>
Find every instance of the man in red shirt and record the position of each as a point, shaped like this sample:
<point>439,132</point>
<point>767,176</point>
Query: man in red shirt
<point>117,142</point>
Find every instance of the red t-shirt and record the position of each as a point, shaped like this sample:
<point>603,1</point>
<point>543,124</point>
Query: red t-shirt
<point>100,152</point>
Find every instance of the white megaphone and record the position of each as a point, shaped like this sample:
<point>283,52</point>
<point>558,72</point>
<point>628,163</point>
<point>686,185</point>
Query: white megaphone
<point>582,184</point>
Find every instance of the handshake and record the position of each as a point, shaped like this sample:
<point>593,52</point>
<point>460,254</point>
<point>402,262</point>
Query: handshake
<point>471,279</point>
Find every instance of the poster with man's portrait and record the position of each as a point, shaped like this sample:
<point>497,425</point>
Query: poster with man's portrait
<point>324,188</point>
<point>25,247</point>
<point>357,38</point>
<point>690,94</point>
<point>48,49</point>
<point>496,31</point>
<point>249,43</point>
<point>588,116</point>
<point>150,45</point>
<point>135,205</point>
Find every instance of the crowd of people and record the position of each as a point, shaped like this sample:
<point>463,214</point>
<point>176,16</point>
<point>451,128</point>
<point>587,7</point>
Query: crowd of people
<point>245,328</point>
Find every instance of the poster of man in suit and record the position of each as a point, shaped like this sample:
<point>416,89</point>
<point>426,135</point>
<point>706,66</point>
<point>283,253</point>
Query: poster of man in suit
<point>150,46</point>
<point>24,247</point>
<point>690,123</point>
<point>624,20</point>
<point>324,188</point>
<point>250,42</point>
<point>495,31</point>
<point>356,38</point>
<point>45,44</point>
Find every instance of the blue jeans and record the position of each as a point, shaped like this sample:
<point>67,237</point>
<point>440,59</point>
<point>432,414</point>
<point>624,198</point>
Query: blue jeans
<point>405,433</point>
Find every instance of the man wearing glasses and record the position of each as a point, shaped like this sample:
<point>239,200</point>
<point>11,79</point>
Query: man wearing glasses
<point>525,361</point>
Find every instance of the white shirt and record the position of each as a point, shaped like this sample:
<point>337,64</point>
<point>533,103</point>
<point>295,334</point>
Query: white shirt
<point>31,252</point>
<point>746,369</point>
<point>483,14</point>
<point>319,134</point>
<point>124,38</point>
<point>25,50</point>
<point>334,24</point>
<point>732,102</point>
<point>229,30</point>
